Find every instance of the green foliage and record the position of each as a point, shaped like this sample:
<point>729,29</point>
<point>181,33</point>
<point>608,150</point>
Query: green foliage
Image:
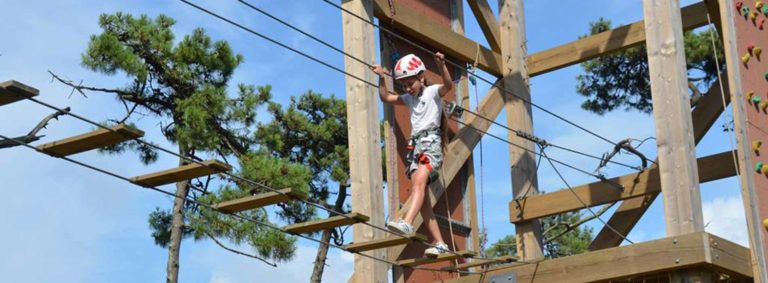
<point>573,242</point>
<point>620,80</point>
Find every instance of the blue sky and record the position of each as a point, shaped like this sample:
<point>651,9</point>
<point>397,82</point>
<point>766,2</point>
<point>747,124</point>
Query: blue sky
<point>67,224</point>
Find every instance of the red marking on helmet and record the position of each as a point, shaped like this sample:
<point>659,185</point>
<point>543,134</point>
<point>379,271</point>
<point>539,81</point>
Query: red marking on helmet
<point>414,63</point>
<point>397,67</point>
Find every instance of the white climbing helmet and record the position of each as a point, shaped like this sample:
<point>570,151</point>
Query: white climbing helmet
<point>409,65</point>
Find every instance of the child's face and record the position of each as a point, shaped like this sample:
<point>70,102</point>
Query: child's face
<point>412,85</point>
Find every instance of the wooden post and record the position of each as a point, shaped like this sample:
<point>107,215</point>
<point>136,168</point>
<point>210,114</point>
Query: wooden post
<point>363,128</point>
<point>748,189</point>
<point>674,128</point>
<point>515,80</point>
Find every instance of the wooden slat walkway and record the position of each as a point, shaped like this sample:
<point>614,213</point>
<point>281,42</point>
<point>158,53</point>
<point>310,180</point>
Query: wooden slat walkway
<point>186,172</point>
<point>442,257</point>
<point>389,241</point>
<point>328,223</point>
<point>12,91</point>
<point>260,200</point>
<point>91,140</point>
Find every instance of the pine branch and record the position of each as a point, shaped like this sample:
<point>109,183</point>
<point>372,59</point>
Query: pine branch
<point>32,135</point>
<point>123,95</point>
<point>238,252</point>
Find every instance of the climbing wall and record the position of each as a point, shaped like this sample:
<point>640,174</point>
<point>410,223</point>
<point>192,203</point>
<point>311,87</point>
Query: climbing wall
<point>438,11</point>
<point>751,21</point>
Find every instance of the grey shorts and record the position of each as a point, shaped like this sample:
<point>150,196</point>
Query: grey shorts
<point>424,148</point>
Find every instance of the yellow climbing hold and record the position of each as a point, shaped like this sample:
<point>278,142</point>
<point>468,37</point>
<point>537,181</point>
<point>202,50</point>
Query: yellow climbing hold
<point>764,105</point>
<point>749,95</point>
<point>758,4</point>
<point>765,223</point>
<point>745,58</point>
<point>756,145</point>
<point>765,170</point>
<point>753,15</point>
<point>757,51</point>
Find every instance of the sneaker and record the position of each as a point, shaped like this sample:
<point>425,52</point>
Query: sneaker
<point>400,226</point>
<point>437,250</point>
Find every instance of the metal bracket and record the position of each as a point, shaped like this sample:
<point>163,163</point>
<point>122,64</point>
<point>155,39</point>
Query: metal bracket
<point>508,277</point>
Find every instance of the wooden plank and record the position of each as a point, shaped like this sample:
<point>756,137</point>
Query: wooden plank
<point>482,262</point>
<point>594,46</point>
<point>260,200</point>
<point>92,140</point>
<point>729,257</point>
<point>328,223</point>
<point>487,22</point>
<point>186,172</point>
<point>522,161</point>
<point>443,257</point>
<point>713,167</point>
<point>437,36</point>
<point>12,91</point>
<point>631,261</point>
<point>365,175</point>
<point>631,210</point>
<point>384,243</point>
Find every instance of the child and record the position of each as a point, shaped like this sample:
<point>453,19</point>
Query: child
<point>424,149</point>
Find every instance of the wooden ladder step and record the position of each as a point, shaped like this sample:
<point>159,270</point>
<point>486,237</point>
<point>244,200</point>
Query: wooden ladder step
<point>90,141</point>
<point>328,223</point>
<point>442,257</point>
<point>12,91</point>
<point>390,241</point>
<point>256,201</point>
<point>481,262</point>
<point>186,172</point>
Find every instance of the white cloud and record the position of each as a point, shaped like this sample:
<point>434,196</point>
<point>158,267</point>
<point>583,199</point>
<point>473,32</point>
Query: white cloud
<point>724,217</point>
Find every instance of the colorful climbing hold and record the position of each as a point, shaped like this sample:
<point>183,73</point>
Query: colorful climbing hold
<point>765,223</point>
<point>766,76</point>
<point>757,51</point>
<point>764,105</point>
<point>739,4</point>
<point>765,10</point>
<point>745,58</point>
<point>750,47</point>
<point>756,99</point>
<point>758,5</point>
<point>745,11</point>
<point>749,95</point>
<point>758,166</point>
<point>756,145</point>
<point>764,170</point>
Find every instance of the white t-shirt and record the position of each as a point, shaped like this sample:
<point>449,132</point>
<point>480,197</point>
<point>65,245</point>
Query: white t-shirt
<point>426,110</point>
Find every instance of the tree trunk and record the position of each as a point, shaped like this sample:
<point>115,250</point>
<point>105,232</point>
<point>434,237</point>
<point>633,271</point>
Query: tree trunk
<point>322,250</point>
<point>177,226</point>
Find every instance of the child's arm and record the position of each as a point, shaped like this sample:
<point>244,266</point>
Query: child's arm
<point>444,74</point>
<point>384,94</point>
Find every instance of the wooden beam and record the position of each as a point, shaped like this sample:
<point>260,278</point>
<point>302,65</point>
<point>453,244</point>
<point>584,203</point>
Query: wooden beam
<point>12,91</point>
<point>437,36</point>
<point>328,223</point>
<point>663,255</point>
<point>522,161</point>
<point>90,141</point>
<point>594,46</point>
<point>443,257</point>
<point>487,22</point>
<point>631,210</point>
<point>713,167</point>
<point>365,175</point>
<point>186,172</point>
<point>678,172</point>
<point>384,243</point>
<point>260,200</point>
<point>482,262</point>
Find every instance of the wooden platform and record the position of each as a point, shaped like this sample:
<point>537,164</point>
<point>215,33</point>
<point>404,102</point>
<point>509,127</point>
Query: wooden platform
<point>390,241</point>
<point>442,257</point>
<point>328,223</point>
<point>482,262</point>
<point>697,250</point>
<point>92,140</point>
<point>12,91</point>
<point>260,200</point>
<point>186,172</point>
